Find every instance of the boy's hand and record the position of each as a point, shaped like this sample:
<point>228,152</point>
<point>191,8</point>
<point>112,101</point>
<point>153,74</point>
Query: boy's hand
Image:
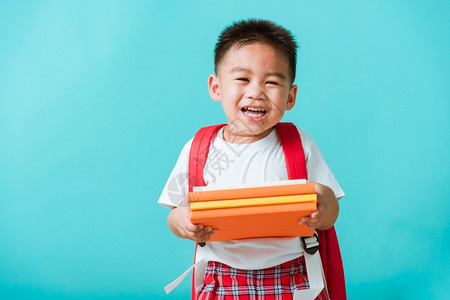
<point>327,209</point>
<point>180,224</point>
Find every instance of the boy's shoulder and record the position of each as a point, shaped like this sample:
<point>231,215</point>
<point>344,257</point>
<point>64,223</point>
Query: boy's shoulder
<point>307,140</point>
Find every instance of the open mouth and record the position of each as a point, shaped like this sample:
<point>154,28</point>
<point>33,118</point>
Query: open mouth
<point>253,112</point>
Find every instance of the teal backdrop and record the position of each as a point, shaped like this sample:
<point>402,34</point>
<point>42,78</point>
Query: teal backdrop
<point>97,98</point>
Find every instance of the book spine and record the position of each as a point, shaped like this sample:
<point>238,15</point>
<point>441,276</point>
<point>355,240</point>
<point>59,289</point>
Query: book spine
<point>269,191</point>
<point>245,202</point>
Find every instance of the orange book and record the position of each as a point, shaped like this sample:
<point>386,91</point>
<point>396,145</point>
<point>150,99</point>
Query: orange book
<point>217,204</point>
<point>281,188</point>
<point>279,220</point>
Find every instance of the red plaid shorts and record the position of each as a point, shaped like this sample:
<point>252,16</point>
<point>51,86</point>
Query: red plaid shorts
<point>223,282</point>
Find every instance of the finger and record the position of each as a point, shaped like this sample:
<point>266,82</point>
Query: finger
<point>314,223</point>
<point>192,231</point>
<point>205,236</point>
<point>194,227</point>
<point>204,231</point>
<point>310,222</point>
<point>315,215</point>
<point>305,220</point>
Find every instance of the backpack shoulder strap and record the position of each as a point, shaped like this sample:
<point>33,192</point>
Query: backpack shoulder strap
<point>328,243</point>
<point>197,161</point>
<point>199,154</point>
<point>293,150</point>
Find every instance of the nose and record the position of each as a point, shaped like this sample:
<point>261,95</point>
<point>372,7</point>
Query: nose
<point>255,91</point>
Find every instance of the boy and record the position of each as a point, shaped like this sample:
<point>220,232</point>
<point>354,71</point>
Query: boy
<point>255,63</point>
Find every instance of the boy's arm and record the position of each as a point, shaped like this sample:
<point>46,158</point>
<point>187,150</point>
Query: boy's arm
<point>327,209</point>
<point>180,224</point>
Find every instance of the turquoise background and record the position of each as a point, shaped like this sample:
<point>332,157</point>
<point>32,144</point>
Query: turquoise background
<point>97,98</point>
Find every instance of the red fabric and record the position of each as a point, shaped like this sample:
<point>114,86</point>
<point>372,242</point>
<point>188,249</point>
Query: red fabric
<point>330,254</point>
<point>223,282</point>
<point>197,160</point>
<point>293,150</point>
<point>199,154</point>
<point>296,166</point>
<point>328,243</point>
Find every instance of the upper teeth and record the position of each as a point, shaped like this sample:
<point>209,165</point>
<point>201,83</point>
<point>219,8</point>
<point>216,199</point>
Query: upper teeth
<point>255,109</point>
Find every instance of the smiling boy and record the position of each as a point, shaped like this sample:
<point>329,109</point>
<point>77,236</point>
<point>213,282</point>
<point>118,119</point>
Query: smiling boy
<point>255,63</point>
<point>254,85</point>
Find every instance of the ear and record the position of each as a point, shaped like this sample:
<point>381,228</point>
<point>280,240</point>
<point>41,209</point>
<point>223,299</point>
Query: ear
<point>214,87</point>
<point>292,97</point>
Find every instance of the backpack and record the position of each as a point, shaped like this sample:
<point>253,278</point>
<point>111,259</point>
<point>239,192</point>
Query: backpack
<point>296,167</point>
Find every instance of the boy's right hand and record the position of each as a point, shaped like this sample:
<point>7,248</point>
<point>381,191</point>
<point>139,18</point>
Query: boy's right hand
<point>180,224</point>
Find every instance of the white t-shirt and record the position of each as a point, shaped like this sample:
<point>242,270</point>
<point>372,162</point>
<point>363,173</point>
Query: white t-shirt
<point>261,161</point>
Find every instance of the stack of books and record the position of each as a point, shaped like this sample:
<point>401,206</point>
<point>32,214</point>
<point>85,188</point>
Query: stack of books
<point>271,209</point>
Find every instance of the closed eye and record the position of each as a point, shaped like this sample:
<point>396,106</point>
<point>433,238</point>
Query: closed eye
<point>272,82</point>
<point>242,79</point>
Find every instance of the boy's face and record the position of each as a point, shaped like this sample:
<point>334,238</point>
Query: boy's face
<point>255,90</point>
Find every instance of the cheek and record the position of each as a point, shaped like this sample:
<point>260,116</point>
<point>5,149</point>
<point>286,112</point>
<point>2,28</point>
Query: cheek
<point>278,96</point>
<point>229,106</point>
<point>234,91</point>
<point>234,94</point>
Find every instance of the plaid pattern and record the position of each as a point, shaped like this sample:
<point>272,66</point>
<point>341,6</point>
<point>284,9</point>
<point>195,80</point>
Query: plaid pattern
<point>223,282</point>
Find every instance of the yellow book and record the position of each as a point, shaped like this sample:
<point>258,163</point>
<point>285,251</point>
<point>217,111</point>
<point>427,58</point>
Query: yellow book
<point>245,202</point>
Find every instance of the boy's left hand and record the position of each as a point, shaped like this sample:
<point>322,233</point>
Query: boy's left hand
<point>327,209</point>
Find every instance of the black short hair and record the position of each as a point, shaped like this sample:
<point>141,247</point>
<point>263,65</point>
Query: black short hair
<point>245,32</point>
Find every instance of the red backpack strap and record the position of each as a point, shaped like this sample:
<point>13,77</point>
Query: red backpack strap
<point>199,154</point>
<point>197,161</point>
<point>293,150</point>
<point>330,254</point>
<point>328,243</point>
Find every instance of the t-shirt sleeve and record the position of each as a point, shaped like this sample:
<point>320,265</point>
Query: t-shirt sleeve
<point>175,191</point>
<point>317,167</point>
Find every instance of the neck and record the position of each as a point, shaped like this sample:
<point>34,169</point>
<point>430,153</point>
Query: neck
<point>232,135</point>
